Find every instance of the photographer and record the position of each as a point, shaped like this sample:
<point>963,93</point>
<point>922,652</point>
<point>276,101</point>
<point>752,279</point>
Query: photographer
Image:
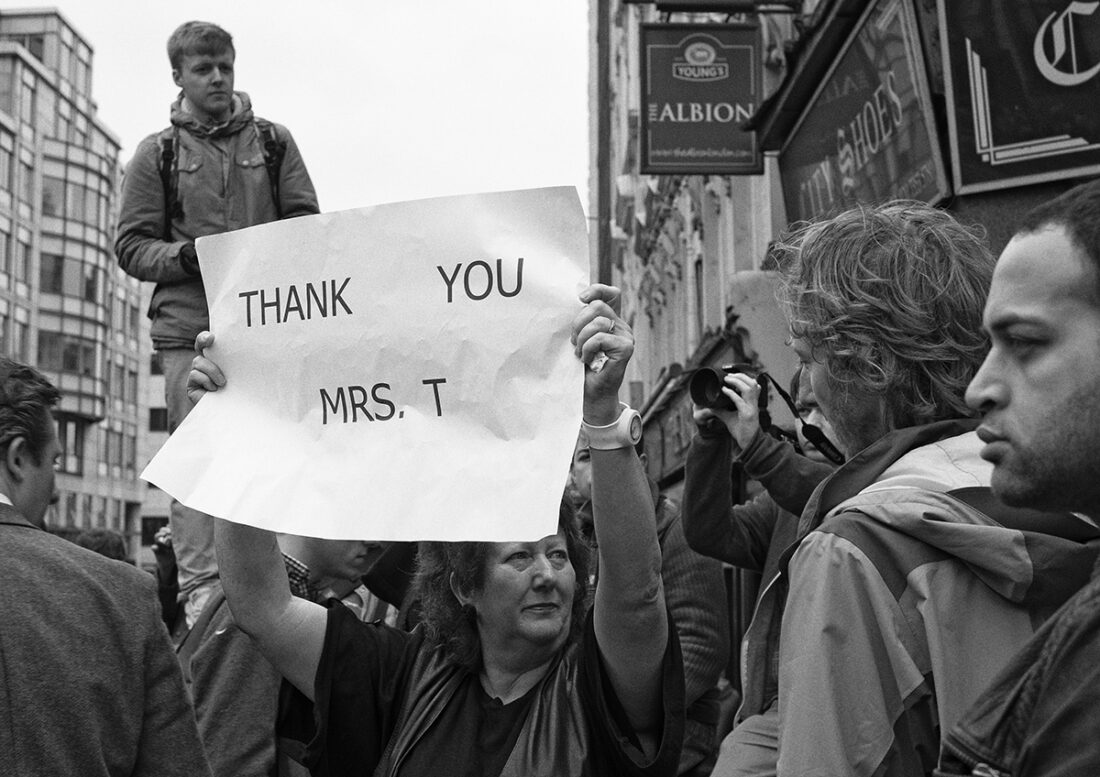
<point>751,536</point>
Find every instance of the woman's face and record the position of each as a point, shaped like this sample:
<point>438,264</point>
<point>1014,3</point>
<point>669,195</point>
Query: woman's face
<point>527,598</point>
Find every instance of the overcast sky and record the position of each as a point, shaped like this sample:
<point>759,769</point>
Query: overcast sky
<point>387,101</point>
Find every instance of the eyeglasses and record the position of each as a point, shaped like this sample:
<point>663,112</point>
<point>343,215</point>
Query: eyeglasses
<point>812,433</point>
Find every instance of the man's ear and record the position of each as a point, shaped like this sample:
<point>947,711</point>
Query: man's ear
<point>645,460</point>
<point>16,459</point>
<point>463,598</point>
<point>177,79</point>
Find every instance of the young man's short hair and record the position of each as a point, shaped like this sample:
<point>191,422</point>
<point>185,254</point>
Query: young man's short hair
<point>192,38</point>
<point>26,400</point>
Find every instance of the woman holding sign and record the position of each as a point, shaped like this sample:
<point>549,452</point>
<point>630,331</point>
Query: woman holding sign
<point>511,672</point>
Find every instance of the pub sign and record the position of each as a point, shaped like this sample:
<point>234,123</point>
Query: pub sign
<point>867,135</point>
<point>1022,93</point>
<point>699,82</point>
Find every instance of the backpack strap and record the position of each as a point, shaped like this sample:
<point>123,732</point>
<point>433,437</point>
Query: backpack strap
<point>169,178</point>
<point>274,150</point>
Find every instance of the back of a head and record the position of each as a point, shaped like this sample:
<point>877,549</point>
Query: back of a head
<point>105,542</point>
<point>26,402</point>
<point>1078,212</point>
<point>890,298</point>
<point>197,38</point>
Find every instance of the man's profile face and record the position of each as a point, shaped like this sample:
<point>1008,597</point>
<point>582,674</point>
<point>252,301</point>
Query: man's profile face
<point>1039,387</point>
<point>207,82</point>
<point>856,418</point>
<point>809,410</point>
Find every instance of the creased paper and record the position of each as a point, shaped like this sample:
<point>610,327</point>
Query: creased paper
<point>397,372</point>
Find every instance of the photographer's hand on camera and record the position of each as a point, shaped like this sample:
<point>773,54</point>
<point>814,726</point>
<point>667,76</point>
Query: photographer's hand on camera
<point>742,424</point>
<point>598,330</point>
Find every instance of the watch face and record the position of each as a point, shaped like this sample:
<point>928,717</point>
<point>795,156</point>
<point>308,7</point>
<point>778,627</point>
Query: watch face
<point>635,428</point>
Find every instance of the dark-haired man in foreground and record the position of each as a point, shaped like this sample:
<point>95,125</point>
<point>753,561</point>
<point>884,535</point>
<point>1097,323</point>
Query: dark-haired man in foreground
<point>1039,393</point>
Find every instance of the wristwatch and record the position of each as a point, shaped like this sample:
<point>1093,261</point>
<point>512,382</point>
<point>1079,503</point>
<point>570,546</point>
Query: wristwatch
<point>624,432</point>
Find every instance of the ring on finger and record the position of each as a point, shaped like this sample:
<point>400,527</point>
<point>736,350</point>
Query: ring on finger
<point>610,325</point>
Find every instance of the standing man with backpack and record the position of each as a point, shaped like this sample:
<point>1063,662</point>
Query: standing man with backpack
<point>217,168</point>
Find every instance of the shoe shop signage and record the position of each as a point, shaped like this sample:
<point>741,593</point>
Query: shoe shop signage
<point>1022,93</point>
<point>867,135</point>
<point>699,83</point>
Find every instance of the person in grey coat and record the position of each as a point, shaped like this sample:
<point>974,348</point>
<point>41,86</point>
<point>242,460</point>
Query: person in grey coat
<point>89,683</point>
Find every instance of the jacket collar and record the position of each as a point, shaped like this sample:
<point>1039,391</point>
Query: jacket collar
<point>865,467</point>
<point>12,517</point>
<point>241,117</point>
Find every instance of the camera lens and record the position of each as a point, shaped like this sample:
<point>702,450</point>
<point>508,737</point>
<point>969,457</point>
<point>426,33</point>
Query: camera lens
<point>706,389</point>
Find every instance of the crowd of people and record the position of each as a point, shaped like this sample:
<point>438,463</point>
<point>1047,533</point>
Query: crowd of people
<point>926,535</point>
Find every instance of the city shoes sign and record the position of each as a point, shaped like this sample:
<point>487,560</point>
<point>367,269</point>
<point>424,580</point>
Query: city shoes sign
<point>1022,94</point>
<point>868,134</point>
<point>699,83</point>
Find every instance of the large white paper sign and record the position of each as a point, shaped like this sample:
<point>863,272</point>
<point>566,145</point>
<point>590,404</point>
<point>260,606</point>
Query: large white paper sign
<point>398,372</point>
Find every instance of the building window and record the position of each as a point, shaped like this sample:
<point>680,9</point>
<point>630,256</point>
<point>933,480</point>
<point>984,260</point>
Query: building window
<point>53,196</point>
<point>49,350</point>
<point>21,336</point>
<point>129,453</point>
<point>158,419</point>
<point>114,451</point>
<point>7,79</point>
<point>26,106</point>
<point>51,274</point>
<point>74,204</point>
<point>70,510</point>
<point>35,43</point>
<point>117,388</point>
<point>78,356</point>
<point>91,207</point>
<point>71,277</point>
<point>86,511</point>
<point>154,364</point>
<point>91,283</point>
<point>22,261</point>
<point>70,436</point>
<point>26,182</point>
<point>6,159</point>
<point>66,353</point>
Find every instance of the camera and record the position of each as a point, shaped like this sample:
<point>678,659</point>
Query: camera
<point>707,383</point>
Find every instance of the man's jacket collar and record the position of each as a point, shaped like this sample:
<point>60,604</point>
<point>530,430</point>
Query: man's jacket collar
<point>865,467</point>
<point>12,517</point>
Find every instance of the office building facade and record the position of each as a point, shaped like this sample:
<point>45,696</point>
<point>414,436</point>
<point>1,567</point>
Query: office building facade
<point>65,306</point>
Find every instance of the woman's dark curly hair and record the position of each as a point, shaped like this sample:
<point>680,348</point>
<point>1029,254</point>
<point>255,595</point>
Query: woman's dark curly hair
<point>454,627</point>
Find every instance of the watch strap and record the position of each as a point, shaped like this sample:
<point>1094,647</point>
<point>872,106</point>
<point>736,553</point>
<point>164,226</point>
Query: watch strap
<point>624,432</point>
